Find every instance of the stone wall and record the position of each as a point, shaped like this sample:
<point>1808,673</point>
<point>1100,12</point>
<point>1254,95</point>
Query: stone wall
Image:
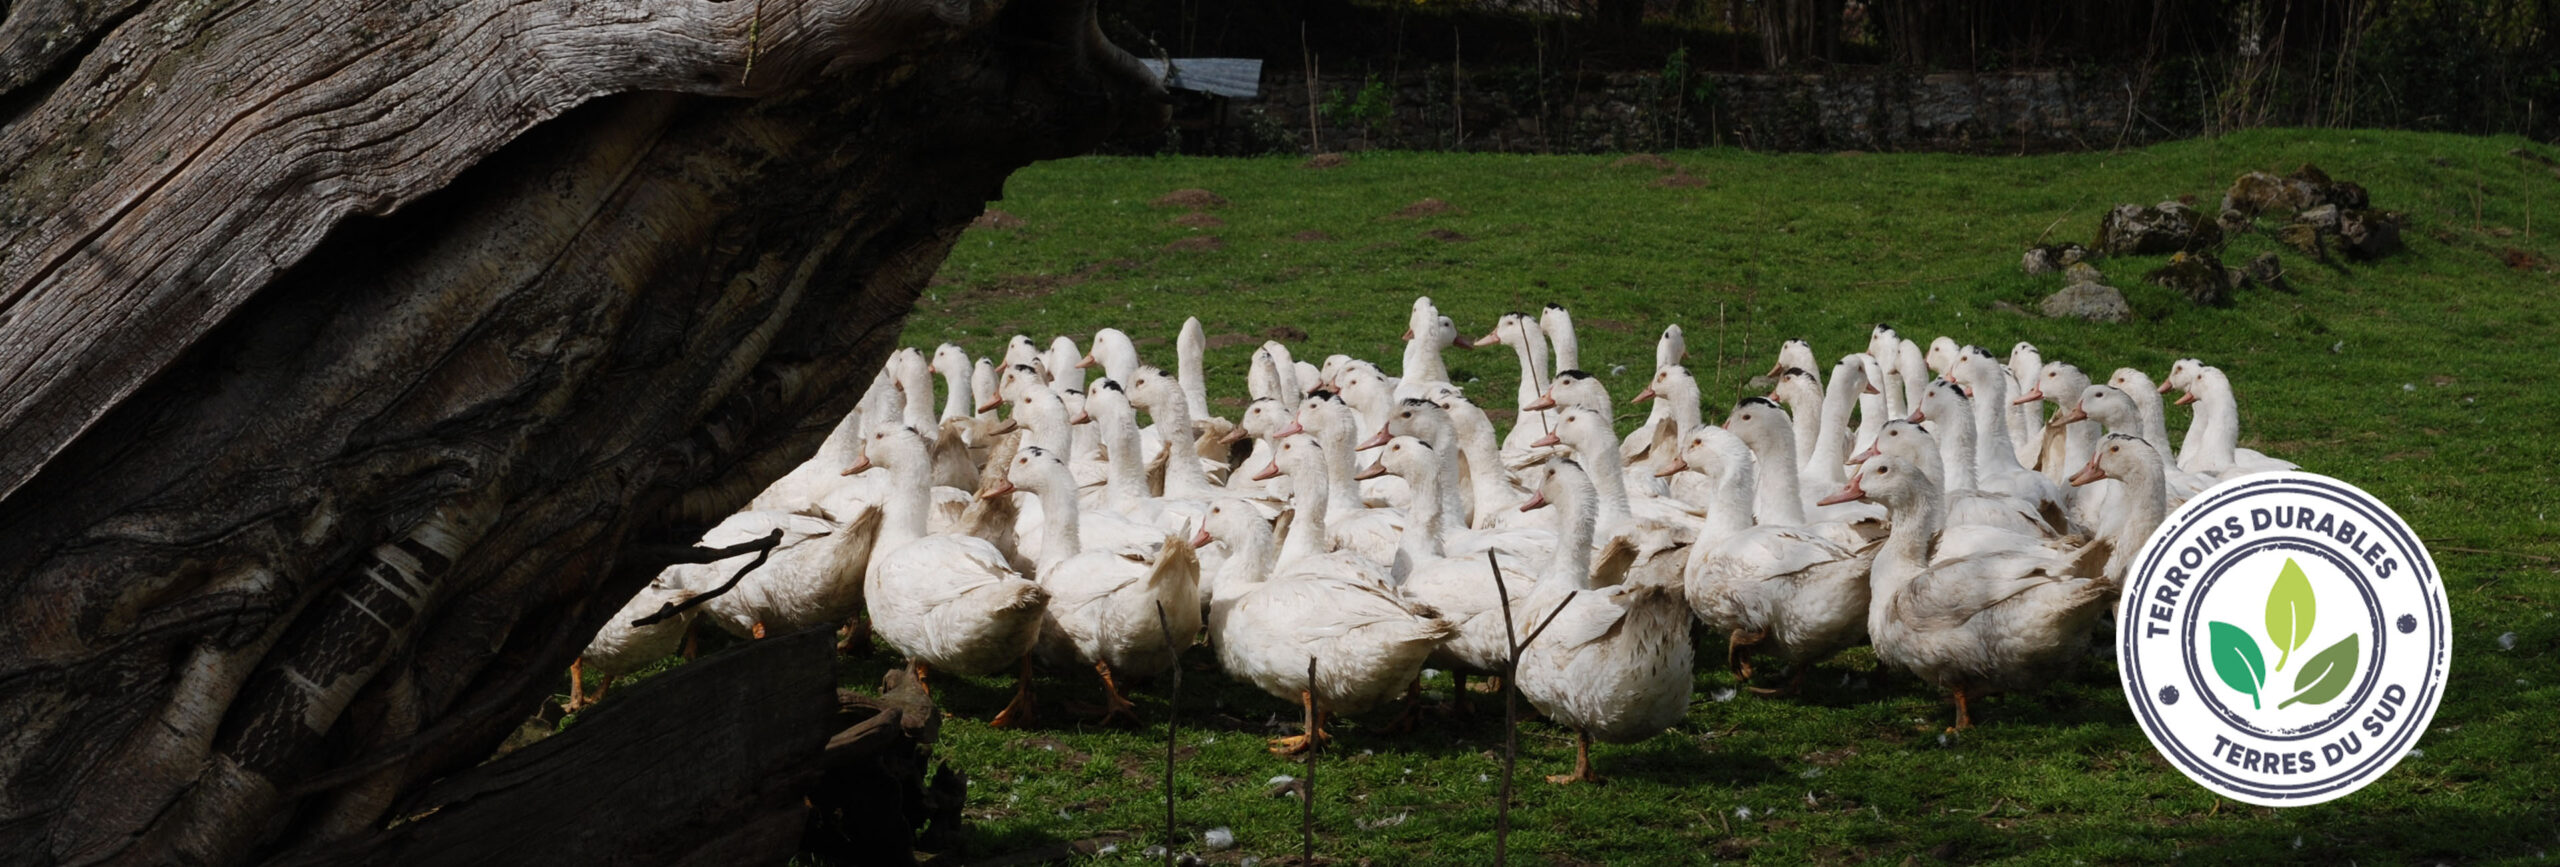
<point>1517,110</point>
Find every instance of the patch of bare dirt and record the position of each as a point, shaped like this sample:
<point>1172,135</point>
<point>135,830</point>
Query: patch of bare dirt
<point>1447,235</point>
<point>1648,161</point>
<point>1425,208</point>
<point>1198,220</point>
<point>2521,260</point>
<point>1194,198</point>
<point>995,219</point>
<point>1326,161</point>
<point>1679,179</point>
<point>1285,334</point>
<point>1311,236</point>
<point>1196,244</point>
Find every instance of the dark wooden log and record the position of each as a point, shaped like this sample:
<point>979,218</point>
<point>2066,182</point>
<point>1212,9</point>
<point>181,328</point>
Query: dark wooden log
<point>346,347</point>
<point>704,764</point>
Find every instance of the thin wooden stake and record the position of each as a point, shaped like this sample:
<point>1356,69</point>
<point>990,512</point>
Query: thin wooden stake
<point>1510,716</point>
<point>1172,700</point>
<point>1307,801</point>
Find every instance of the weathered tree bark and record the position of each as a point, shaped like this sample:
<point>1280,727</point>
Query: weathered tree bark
<point>348,350</point>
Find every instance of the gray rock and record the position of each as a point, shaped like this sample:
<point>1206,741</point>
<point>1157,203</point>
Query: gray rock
<point>2267,270</point>
<point>2088,301</point>
<point>2167,227</point>
<point>2325,217</point>
<point>2366,235</point>
<point>2199,276</point>
<point>2081,274</point>
<point>2255,193</point>
<point>2045,259</point>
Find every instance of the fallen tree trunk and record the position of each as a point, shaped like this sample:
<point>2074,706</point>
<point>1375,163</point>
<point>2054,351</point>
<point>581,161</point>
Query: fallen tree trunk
<point>348,348</point>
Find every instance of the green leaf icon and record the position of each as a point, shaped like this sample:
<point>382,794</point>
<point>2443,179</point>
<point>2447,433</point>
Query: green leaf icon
<point>2325,676</point>
<point>2290,609</point>
<point>2237,660</point>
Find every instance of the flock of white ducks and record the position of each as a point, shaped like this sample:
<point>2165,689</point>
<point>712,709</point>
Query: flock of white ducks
<point>1920,501</point>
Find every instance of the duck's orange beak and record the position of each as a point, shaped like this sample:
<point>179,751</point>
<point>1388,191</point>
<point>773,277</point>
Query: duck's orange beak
<point>1645,395</point>
<point>1200,539</point>
<point>1847,494</point>
<point>2187,398</point>
<point>860,463</point>
<point>1870,454</point>
<point>1001,488</point>
<point>1677,466</point>
<point>1293,429</point>
<point>2164,386</point>
<point>2077,414</point>
<point>1545,441</point>
<point>1268,473</point>
<point>2089,473</point>
<point>2032,395</point>
<point>1373,442</point>
<point>1544,401</point>
<point>1373,470</point>
<point>1233,436</point>
<point>1537,500</point>
<point>1086,362</point>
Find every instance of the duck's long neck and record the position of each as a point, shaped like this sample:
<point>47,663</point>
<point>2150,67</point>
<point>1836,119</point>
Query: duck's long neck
<point>1870,423</point>
<point>1488,482</point>
<point>1422,361</point>
<point>842,443</point>
<point>1568,347</point>
<point>1125,485</point>
<point>1609,480</point>
<point>917,383</point>
<point>1992,449</point>
<point>1307,530</point>
<point>1250,556</point>
<point>1341,489</point>
<point>1569,566</point>
<point>1890,383</point>
<point>2218,415</point>
<point>2146,504</point>
<point>1531,347</point>
<point>910,498</point>
<point>1775,495</point>
<point>1062,524</point>
<point>1831,432</point>
<point>1905,554</point>
<point>1183,475</point>
<point>1684,408</point>
<point>1735,489</point>
<point>1956,451</point>
<point>2155,423</point>
<point>1044,420</point>
<point>1189,374</point>
<point>959,402</point>
<point>1420,542</point>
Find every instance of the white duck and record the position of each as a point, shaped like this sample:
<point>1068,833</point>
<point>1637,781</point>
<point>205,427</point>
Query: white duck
<point>946,602</point>
<point>1366,641</point>
<point>1778,498</point>
<point>1964,505</point>
<point>1262,421</point>
<point>1991,622</point>
<point>2216,453</point>
<point>2145,395</point>
<point>1656,523</point>
<point>1796,353</point>
<point>1105,603</point>
<point>1353,525</point>
<point>1885,346</point>
<point>2182,373</point>
<point>1460,584</point>
<point>1558,325</point>
<point>2118,413</point>
<point>1192,477</point>
<point>1612,662</point>
<point>1914,367</point>
<point>1810,410</point>
<point>1669,351</point>
<point>1985,396</point>
<point>1528,341</point>
<point>1494,496</point>
<point>1795,591</point>
<point>621,647</point>
<point>1832,440</point>
<point>2145,478</point>
<point>814,576</point>
<point>1020,350</point>
<point>2065,445</point>
<point>2026,418</point>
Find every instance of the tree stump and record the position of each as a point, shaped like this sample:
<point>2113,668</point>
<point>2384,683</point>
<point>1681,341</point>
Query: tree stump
<point>358,358</point>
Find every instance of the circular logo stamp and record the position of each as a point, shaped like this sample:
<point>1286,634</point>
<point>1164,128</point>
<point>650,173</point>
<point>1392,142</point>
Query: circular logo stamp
<point>2283,638</point>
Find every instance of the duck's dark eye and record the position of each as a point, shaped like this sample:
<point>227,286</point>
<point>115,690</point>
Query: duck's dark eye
<point>2115,448</point>
<point>1884,470</point>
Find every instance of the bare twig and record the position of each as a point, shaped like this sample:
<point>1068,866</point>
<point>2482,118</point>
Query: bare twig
<point>1172,697</point>
<point>1510,716</point>
<point>763,548</point>
<point>1307,804</point>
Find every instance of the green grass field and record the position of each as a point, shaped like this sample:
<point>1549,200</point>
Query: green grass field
<point>2427,378</point>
